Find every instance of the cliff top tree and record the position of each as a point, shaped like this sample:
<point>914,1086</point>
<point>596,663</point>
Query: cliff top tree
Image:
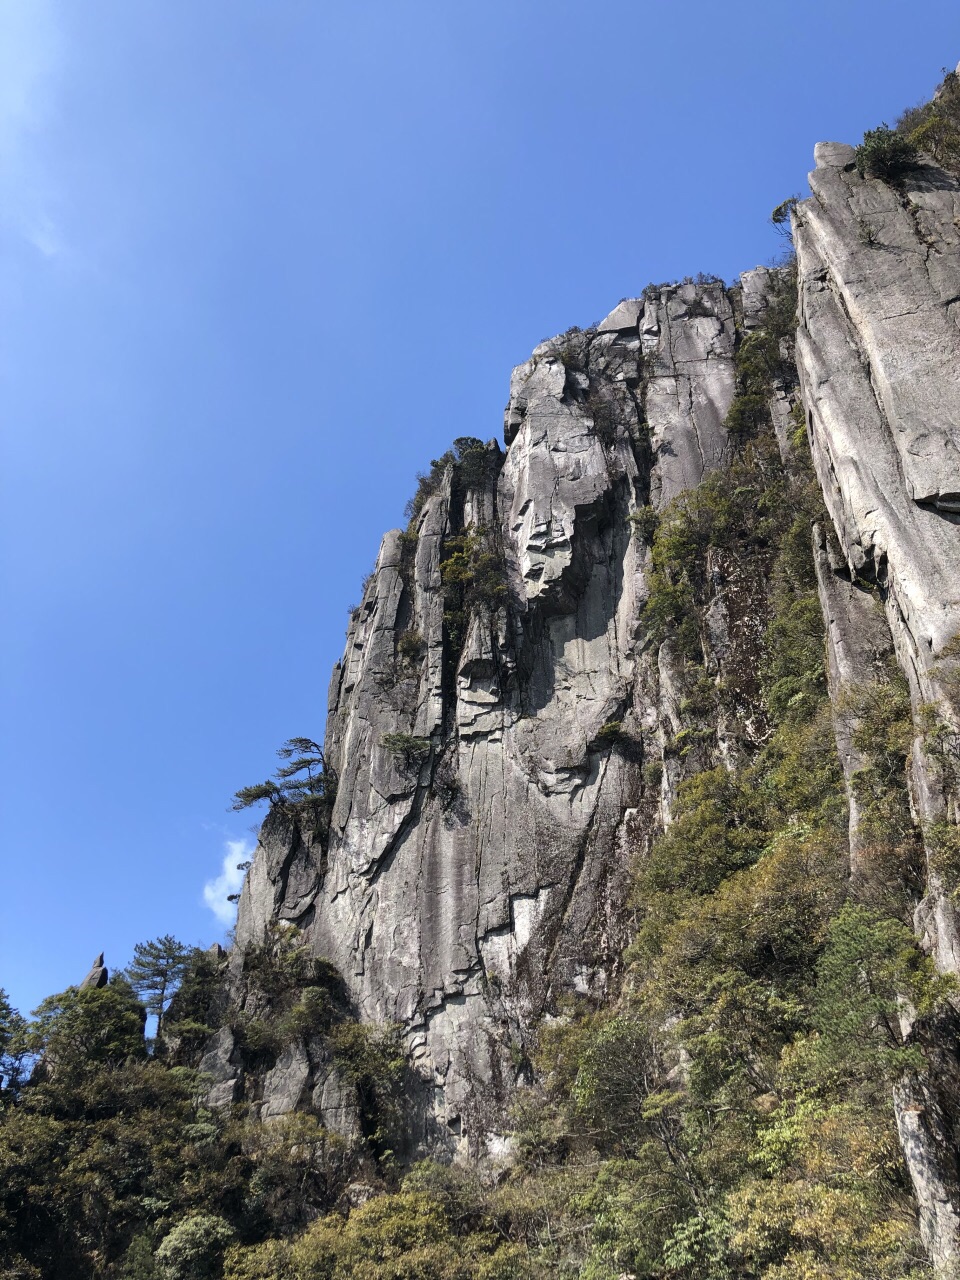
<point>303,781</point>
<point>156,971</point>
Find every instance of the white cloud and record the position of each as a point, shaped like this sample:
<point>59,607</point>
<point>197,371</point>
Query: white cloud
<point>230,880</point>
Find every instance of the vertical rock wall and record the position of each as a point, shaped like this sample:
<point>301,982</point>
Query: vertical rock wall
<point>491,767</point>
<point>878,353</point>
<point>463,886</point>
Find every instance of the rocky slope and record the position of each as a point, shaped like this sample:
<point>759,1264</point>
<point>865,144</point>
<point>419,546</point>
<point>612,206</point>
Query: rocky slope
<point>507,726</point>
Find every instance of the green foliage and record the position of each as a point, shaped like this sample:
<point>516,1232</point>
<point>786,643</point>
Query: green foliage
<point>195,1011</point>
<point>886,154</point>
<point>78,1031</point>
<point>780,217</point>
<point>405,1236</point>
<point>643,523</point>
<point>282,967</point>
<point>372,1059</point>
<point>473,466</point>
<point>942,840</point>
<point>304,782</point>
<point>428,483</point>
<point>408,751</point>
<point>94,1155</point>
<point>139,1262</point>
<point>476,464</point>
<point>193,1249</point>
<point>870,965</point>
<point>613,736</point>
<point>156,971</point>
<point>410,647</point>
<point>473,575</point>
<point>13,1048</point>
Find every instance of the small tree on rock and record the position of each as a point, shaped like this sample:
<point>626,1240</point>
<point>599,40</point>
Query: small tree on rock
<point>303,781</point>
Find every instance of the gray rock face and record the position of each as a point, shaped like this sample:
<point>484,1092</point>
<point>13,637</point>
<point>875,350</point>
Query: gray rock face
<point>462,885</point>
<point>218,1063</point>
<point>98,976</point>
<point>878,352</point>
<point>858,644</point>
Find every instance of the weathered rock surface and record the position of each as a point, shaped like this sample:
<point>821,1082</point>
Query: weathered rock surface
<point>491,763</point>
<point>878,353</point>
<point>98,976</point>
<point>459,889</point>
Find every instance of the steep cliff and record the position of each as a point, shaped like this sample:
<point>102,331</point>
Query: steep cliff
<point>878,354</point>
<point>572,631</point>
<point>472,875</point>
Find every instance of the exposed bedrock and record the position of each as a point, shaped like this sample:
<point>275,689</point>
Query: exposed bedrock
<point>471,880</point>
<point>878,354</point>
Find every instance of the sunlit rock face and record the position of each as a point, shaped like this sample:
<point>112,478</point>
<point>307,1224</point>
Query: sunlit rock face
<point>461,890</point>
<point>878,356</point>
<point>499,764</point>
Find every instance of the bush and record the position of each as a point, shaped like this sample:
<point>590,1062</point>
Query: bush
<point>613,736</point>
<point>885,154</point>
<point>643,522</point>
<point>476,464</point>
<point>408,752</point>
<point>192,1250</point>
<point>428,483</point>
<point>780,217</point>
<point>410,647</point>
<point>473,575</point>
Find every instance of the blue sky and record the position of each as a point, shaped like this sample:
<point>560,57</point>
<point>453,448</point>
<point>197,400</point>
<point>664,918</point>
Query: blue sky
<point>260,262</point>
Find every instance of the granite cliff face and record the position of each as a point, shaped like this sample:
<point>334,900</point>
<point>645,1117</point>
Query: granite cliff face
<point>499,760</point>
<point>878,355</point>
<point>460,888</point>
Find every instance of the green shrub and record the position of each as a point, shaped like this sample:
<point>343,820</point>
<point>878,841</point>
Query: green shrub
<point>476,464</point>
<point>780,217</point>
<point>428,483</point>
<point>410,647</point>
<point>885,153</point>
<point>373,1061</point>
<point>643,523</point>
<point>746,415</point>
<point>613,736</point>
<point>408,752</point>
<point>473,575</point>
<point>193,1249</point>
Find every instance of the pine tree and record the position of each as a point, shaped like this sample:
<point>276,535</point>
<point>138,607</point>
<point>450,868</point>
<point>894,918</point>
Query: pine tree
<point>156,971</point>
<point>303,780</point>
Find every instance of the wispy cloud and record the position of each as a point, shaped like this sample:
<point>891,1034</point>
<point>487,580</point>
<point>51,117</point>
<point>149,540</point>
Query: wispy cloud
<point>31,48</point>
<point>216,892</point>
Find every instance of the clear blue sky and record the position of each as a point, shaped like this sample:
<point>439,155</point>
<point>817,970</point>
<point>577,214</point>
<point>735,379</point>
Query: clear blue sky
<point>261,260</point>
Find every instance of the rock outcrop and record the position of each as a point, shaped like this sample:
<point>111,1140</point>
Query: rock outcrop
<point>503,723</point>
<point>467,879</point>
<point>98,976</point>
<point>878,355</point>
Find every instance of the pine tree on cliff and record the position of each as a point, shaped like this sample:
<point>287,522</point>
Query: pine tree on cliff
<point>303,780</point>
